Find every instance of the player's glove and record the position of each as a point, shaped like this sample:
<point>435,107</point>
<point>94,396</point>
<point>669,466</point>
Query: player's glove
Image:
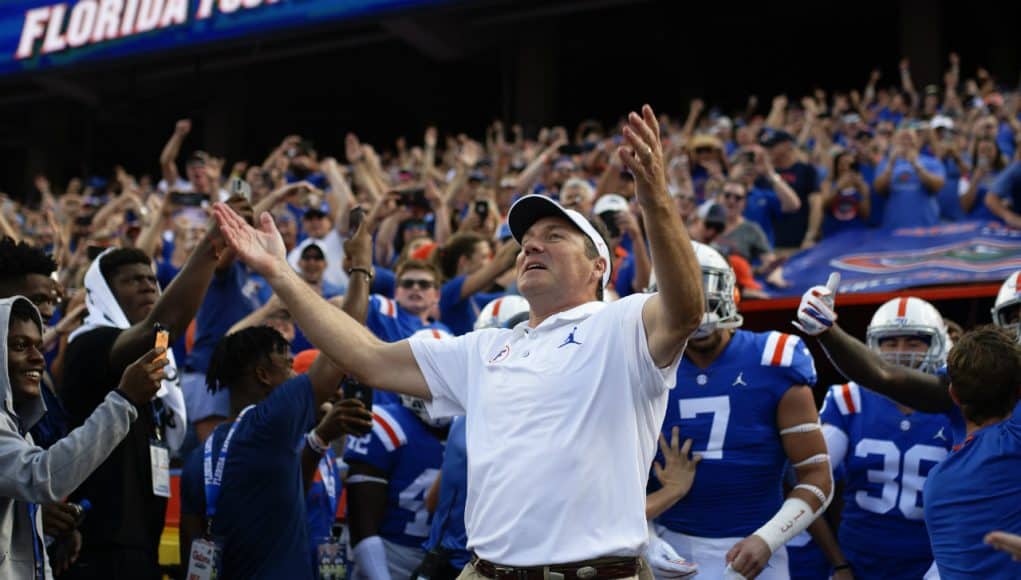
<point>815,313</point>
<point>665,562</point>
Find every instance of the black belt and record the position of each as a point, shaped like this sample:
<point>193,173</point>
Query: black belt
<point>600,569</point>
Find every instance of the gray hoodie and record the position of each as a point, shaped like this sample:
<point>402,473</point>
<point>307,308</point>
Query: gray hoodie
<point>29,474</point>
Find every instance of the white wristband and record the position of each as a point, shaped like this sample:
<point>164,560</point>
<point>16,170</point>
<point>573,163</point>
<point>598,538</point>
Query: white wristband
<point>794,517</point>
<point>315,442</point>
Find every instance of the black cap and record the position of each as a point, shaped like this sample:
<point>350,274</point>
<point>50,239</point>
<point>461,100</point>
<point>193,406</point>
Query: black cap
<point>771,137</point>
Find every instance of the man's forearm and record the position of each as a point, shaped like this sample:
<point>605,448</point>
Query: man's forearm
<point>814,217</point>
<point>660,501</point>
<point>175,309</point>
<point>168,158</point>
<point>332,330</point>
<point>789,200</point>
<point>643,265</point>
<point>356,300</point>
<point>678,274</point>
<point>441,224</point>
<point>854,360</point>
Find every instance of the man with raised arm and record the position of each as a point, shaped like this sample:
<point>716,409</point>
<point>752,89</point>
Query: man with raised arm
<point>579,374</point>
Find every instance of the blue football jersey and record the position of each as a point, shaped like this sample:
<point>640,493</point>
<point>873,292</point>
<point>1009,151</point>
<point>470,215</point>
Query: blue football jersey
<point>974,491</point>
<point>889,454</point>
<point>729,411</point>
<point>411,456</point>
<point>391,323</point>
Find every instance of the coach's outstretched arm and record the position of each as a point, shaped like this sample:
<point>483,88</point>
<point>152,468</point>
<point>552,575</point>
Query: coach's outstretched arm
<point>676,311</point>
<point>351,346</point>
<point>857,362</point>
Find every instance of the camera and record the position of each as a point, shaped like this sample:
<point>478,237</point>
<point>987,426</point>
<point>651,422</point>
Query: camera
<point>482,209</point>
<point>355,390</point>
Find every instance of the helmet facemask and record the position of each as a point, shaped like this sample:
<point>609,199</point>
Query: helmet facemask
<point>720,307</point>
<point>929,361</point>
<point>417,406</point>
<point>1006,316</point>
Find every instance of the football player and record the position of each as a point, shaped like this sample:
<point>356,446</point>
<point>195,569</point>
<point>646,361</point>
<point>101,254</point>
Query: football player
<point>959,549</point>
<point>887,448</point>
<point>391,470</point>
<point>745,399</point>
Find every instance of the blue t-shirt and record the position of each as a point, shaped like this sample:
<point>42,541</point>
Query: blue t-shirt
<point>404,449</point>
<point>845,212</point>
<point>908,203</point>
<point>763,206</point>
<point>889,455</point>
<point>948,197</point>
<point>447,528</point>
<point>729,410</point>
<point>625,276</point>
<point>231,296</point>
<point>974,491</point>
<point>1008,186</point>
<point>260,514</point>
<point>980,211</point>
<point>1005,139</point>
<point>460,315</point>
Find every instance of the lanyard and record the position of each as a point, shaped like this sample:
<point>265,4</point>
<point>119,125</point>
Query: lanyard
<point>37,553</point>
<point>327,472</point>
<point>214,477</point>
<point>157,418</point>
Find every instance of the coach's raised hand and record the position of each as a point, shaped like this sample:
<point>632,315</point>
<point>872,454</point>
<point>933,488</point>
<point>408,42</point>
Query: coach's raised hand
<point>676,311</point>
<point>263,249</point>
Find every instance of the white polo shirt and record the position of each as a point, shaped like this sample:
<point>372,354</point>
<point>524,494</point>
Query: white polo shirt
<point>562,423</point>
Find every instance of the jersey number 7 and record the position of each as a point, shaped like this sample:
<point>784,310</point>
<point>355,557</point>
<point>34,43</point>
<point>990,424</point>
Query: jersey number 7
<point>719,407</point>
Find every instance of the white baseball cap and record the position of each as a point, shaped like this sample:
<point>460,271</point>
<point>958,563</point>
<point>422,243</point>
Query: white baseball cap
<point>610,202</point>
<point>531,208</point>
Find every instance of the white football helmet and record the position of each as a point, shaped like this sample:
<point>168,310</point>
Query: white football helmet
<point>909,316</point>
<point>504,312</point>
<point>718,284</point>
<point>416,405</point>
<point>1005,309</point>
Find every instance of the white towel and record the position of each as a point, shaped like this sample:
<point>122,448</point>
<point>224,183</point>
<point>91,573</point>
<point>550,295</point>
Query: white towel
<point>105,311</point>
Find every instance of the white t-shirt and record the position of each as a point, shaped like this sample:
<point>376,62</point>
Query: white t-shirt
<point>562,423</point>
<point>333,249</point>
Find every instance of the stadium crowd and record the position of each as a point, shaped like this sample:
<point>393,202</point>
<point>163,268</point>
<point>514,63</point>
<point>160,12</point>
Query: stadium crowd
<point>296,463</point>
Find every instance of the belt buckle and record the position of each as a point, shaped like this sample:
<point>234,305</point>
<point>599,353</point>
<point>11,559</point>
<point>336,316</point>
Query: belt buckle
<point>586,572</point>
<point>506,571</point>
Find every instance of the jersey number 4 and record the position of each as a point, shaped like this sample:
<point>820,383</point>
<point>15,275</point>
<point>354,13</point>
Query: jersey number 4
<point>413,500</point>
<point>907,469</point>
<point>719,408</point>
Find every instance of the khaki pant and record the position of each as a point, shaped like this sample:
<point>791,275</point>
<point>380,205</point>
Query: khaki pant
<point>469,573</point>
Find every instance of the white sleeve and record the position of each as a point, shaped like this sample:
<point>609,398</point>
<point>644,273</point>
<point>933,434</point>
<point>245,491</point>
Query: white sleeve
<point>370,559</point>
<point>654,380</point>
<point>445,366</point>
<point>836,444</point>
<point>962,186</point>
